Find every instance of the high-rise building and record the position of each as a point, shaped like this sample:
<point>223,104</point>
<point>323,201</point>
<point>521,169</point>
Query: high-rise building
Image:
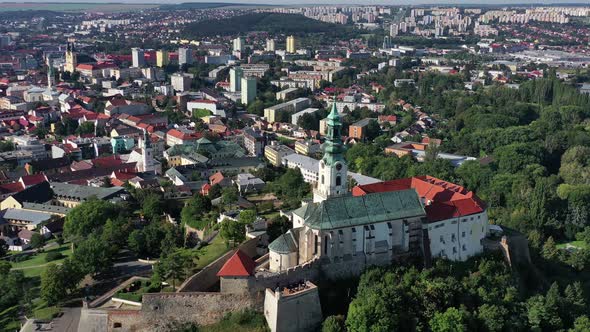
<point>235,79</point>
<point>291,46</point>
<point>185,56</point>
<point>137,57</point>
<point>71,58</point>
<point>162,58</point>
<point>50,75</point>
<point>248,90</point>
<point>181,82</point>
<point>270,45</point>
<point>239,44</point>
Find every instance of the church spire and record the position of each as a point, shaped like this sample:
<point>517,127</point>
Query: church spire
<point>333,170</point>
<point>333,147</point>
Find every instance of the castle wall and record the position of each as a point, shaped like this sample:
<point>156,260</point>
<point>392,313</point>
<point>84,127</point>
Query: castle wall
<point>207,278</point>
<point>159,310</point>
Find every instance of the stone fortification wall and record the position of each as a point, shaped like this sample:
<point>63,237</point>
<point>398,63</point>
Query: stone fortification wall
<point>207,278</point>
<point>160,310</point>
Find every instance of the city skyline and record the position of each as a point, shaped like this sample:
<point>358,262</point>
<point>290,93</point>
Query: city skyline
<point>330,2</point>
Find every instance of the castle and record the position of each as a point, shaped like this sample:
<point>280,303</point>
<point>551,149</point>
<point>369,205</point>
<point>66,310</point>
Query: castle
<point>421,216</point>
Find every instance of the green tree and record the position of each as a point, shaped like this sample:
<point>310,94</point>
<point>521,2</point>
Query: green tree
<point>177,264</point>
<point>550,250</point>
<point>85,128</point>
<point>247,217</point>
<point>334,324</point>
<point>152,207</point>
<point>93,255</point>
<point>88,217</point>
<point>582,324</point>
<point>4,268</point>
<point>229,195</point>
<point>194,209</point>
<point>53,289</point>
<point>37,241</point>
<point>233,231</point>
<point>452,320</point>
<point>493,316</point>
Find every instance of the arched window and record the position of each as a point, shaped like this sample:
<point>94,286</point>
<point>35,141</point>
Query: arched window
<point>338,180</point>
<point>325,245</point>
<point>322,179</point>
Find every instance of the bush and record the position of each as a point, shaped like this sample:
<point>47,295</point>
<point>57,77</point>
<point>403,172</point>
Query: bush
<point>53,256</point>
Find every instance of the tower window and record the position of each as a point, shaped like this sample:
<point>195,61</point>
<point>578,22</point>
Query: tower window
<point>322,179</point>
<point>325,245</point>
<point>338,180</point>
<point>315,244</point>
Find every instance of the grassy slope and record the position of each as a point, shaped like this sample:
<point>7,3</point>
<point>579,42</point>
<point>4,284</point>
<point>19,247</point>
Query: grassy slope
<point>34,266</point>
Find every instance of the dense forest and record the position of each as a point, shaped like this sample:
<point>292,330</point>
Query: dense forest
<point>268,22</point>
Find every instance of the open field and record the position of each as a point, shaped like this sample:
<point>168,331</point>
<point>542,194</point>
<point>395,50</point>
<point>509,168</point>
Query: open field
<point>74,7</point>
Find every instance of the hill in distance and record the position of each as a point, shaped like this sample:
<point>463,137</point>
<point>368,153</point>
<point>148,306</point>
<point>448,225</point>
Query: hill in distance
<point>269,22</point>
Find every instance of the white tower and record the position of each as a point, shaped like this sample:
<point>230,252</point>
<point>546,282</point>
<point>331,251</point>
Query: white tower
<point>333,169</point>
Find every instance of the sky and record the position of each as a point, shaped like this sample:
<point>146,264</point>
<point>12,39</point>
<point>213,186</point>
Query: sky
<point>317,2</point>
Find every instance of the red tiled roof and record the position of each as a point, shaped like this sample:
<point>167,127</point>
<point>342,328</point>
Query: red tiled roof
<point>12,187</point>
<point>29,180</point>
<point>239,265</point>
<point>216,178</point>
<point>442,199</point>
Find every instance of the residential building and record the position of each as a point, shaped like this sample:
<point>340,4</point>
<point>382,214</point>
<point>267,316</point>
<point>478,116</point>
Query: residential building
<point>162,58</point>
<point>295,117</point>
<point>137,57</point>
<point>281,112</point>
<point>235,79</point>
<point>291,46</point>
<point>248,88</point>
<point>254,142</point>
<point>248,183</point>
<point>275,152</point>
<point>270,45</point>
<point>181,81</point>
<point>239,44</point>
<point>185,56</point>
<point>358,129</point>
<point>309,167</point>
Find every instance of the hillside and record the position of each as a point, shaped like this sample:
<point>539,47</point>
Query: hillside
<point>269,22</point>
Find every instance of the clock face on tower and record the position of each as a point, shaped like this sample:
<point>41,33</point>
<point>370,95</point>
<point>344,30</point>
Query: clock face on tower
<point>338,166</point>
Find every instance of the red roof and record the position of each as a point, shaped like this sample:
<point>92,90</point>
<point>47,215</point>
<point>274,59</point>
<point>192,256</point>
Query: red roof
<point>442,200</point>
<point>216,178</point>
<point>30,180</point>
<point>239,265</point>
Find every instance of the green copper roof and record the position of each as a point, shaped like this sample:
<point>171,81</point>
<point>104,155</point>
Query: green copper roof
<point>354,211</point>
<point>285,243</point>
<point>333,147</point>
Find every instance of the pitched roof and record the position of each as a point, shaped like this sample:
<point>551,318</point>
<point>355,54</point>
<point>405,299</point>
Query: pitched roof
<point>39,193</point>
<point>351,211</point>
<point>443,200</point>
<point>29,180</point>
<point>239,265</point>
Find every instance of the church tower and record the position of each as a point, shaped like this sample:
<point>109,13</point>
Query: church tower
<point>147,153</point>
<point>71,58</point>
<point>333,171</point>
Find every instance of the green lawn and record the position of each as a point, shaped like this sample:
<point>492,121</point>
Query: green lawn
<point>212,251</point>
<point>35,265</point>
<point>199,113</point>
<point>576,244</point>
